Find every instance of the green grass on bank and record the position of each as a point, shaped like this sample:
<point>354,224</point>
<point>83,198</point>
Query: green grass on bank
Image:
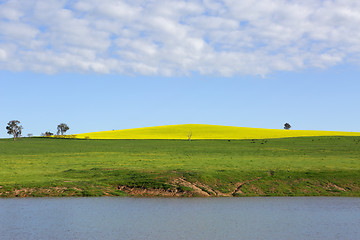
<point>269,167</point>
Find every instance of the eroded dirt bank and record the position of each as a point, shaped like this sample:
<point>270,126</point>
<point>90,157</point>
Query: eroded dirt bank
<point>182,187</point>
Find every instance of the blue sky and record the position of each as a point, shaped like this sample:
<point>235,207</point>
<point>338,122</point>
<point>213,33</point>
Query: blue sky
<point>126,64</point>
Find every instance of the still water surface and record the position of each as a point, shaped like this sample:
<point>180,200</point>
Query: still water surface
<point>184,218</point>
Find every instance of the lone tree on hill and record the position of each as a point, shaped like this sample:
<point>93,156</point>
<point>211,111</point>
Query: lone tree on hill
<point>14,128</point>
<point>287,126</point>
<point>62,128</point>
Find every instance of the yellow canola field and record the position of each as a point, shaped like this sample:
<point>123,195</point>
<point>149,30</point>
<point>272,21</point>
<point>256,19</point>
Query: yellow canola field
<point>202,131</point>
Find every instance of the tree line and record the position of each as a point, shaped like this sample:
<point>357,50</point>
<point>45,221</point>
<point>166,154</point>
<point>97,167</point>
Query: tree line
<point>14,128</point>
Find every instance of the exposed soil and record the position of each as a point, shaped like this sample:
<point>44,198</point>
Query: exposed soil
<point>133,191</point>
<point>332,185</point>
<point>239,185</point>
<point>41,192</point>
<point>197,189</point>
<point>181,187</point>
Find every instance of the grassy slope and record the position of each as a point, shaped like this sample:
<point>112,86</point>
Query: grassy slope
<point>293,166</point>
<point>202,131</point>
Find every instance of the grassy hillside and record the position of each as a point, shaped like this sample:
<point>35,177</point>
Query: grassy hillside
<point>307,166</point>
<point>202,131</point>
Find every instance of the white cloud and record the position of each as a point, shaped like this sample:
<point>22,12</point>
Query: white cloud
<point>116,10</point>
<point>10,13</point>
<point>3,55</point>
<point>179,37</point>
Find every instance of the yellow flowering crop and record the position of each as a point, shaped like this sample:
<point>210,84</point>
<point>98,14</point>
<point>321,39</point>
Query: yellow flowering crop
<point>202,131</point>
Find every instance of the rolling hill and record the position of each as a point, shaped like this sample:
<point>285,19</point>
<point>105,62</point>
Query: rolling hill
<point>202,131</point>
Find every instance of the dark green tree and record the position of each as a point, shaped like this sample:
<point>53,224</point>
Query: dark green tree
<point>14,128</point>
<point>47,134</point>
<point>62,128</point>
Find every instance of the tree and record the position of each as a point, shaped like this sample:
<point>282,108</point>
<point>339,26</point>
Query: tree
<point>13,128</point>
<point>287,126</point>
<point>47,134</point>
<point>62,128</point>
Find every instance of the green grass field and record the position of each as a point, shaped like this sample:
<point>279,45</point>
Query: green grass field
<point>304,166</point>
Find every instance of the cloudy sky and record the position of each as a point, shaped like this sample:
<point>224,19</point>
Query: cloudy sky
<point>114,64</point>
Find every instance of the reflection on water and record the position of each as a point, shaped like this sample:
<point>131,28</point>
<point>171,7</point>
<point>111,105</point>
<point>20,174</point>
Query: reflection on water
<point>184,218</point>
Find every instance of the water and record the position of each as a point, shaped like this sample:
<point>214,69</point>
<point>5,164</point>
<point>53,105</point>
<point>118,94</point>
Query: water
<point>184,218</point>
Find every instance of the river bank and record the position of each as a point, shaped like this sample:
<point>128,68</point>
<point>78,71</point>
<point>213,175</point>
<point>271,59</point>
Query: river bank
<point>265,184</point>
<point>309,166</point>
